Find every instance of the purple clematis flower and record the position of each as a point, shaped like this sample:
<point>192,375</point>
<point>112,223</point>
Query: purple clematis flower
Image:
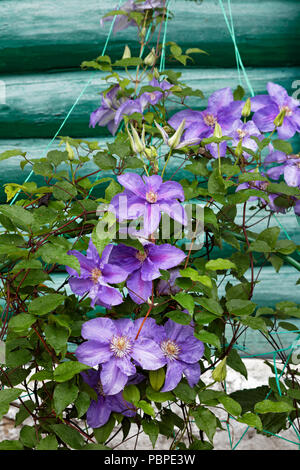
<point>182,351</point>
<point>222,109</point>
<point>95,276</point>
<point>105,114</point>
<point>122,21</point>
<point>262,186</point>
<point>113,345</point>
<point>267,107</point>
<point>244,131</point>
<point>143,268</point>
<point>99,411</point>
<point>148,197</point>
<point>139,104</point>
<point>169,287</point>
<point>290,168</point>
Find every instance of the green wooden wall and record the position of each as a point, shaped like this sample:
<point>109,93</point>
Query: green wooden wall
<point>43,42</point>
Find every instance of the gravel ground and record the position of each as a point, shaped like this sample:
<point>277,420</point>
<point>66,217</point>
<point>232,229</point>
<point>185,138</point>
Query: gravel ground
<point>258,374</point>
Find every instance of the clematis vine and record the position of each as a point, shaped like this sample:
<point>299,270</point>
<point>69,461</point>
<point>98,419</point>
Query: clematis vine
<point>123,22</point>
<point>148,197</point>
<point>99,411</point>
<point>267,107</point>
<point>95,277</point>
<point>181,350</point>
<point>144,267</point>
<point>113,345</point>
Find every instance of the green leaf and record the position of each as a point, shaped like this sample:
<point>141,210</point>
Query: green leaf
<point>18,215</point>
<point>157,378</point>
<point>286,247</point>
<point>205,421</point>
<point>21,322</point>
<point>45,304</point>
<point>252,420</point>
<point>67,370</point>
<point>239,93</point>
<point>235,362</point>
<point>268,406</point>
<point>6,397</point>
<point>64,394</point>
<point>186,300</point>
<point>28,436</point>
<point>283,146</point>
<point>131,394</point>
<point>151,428</point>
<point>48,443</point>
<point>146,407</point>
<point>82,403</point>
<point>240,307</point>
<point>129,62</point>
<point>53,254</point>
<point>158,397</point>
<point>11,445</point>
<point>196,277</point>
<point>219,373</point>
<point>105,161</point>
<point>11,153</point>
<point>64,191</point>
<point>185,393</point>
<point>220,264</point>
<point>254,323</point>
<point>57,337</point>
<point>230,405</point>
<point>179,317</point>
<point>68,435</point>
<point>42,375</point>
<point>208,337</point>
<point>211,305</point>
<point>103,433</point>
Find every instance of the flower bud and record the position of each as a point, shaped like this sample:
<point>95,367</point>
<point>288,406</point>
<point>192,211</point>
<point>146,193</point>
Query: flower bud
<point>137,144</point>
<point>126,53</point>
<point>150,59</point>
<point>175,139</point>
<point>246,111</point>
<point>238,150</point>
<point>156,73</point>
<point>219,373</point>
<point>218,131</point>
<point>70,151</point>
<point>278,121</point>
<point>150,152</point>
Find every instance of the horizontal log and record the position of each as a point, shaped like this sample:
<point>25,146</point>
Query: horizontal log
<point>36,104</point>
<point>48,35</point>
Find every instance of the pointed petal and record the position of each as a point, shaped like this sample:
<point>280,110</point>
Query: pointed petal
<point>151,218</point>
<point>93,353</point>
<point>173,375</point>
<point>171,190</point>
<point>165,256</point>
<point>175,210</point>
<point>147,353</point>
<point>113,274</point>
<point>98,329</point>
<point>139,290</point>
<point>287,130</point>
<point>134,183</point>
<point>192,373</point>
<point>112,378</point>
<point>98,413</point>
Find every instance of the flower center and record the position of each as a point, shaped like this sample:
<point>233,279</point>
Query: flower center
<point>151,197</point>
<point>120,346</point>
<point>141,256</point>
<point>96,273</point>
<point>241,133</point>
<point>170,349</point>
<point>210,120</point>
<point>288,111</point>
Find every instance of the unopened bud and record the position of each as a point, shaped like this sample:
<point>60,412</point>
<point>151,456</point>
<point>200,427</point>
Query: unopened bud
<point>218,131</point>
<point>156,73</point>
<point>246,111</point>
<point>126,53</point>
<point>219,373</point>
<point>278,121</point>
<point>239,150</point>
<point>70,151</point>
<point>150,59</point>
<point>150,152</point>
<point>136,143</point>
<point>175,139</point>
